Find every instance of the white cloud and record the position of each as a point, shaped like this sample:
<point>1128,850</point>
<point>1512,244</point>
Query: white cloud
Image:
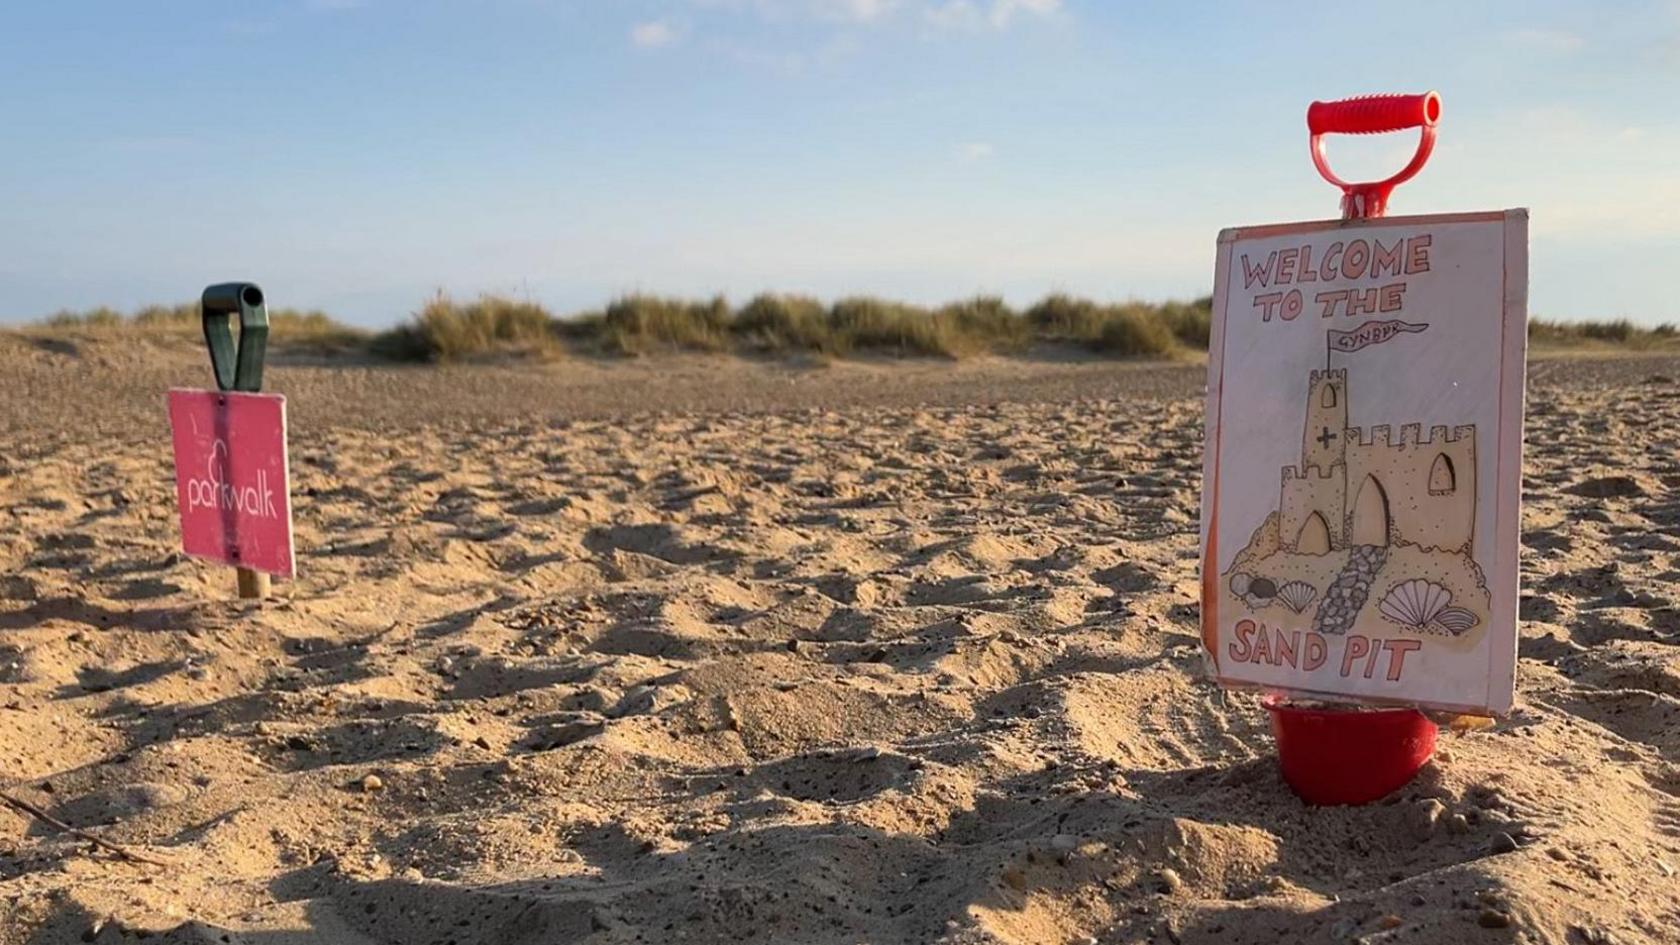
<point>856,11</point>
<point>976,14</point>
<point>654,34</point>
<point>1004,10</point>
<point>956,14</point>
<point>949,14</point>
<point>1545,40</point>
<point>976,150</point>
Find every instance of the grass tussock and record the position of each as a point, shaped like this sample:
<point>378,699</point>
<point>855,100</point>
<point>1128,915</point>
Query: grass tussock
<point>287,327</point>
<point>1617,333</point>
<point>1126,328</point>
<point>496,326</point>
<point>447,330</point>
<point>641,324</point>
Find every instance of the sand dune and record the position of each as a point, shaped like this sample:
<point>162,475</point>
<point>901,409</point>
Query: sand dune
<point>716,651</point>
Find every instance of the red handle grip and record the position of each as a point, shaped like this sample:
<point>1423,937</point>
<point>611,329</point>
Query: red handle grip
<point>1373,114</point>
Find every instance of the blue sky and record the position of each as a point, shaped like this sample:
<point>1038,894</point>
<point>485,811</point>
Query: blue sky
<point>357,155</point>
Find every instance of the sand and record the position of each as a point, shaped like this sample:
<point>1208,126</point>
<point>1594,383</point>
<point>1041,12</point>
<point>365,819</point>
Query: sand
<point>709,650</point>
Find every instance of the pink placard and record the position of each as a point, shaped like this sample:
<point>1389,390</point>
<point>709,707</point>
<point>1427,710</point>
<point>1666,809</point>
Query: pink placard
<point>231,480</point>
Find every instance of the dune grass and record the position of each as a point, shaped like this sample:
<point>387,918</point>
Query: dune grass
<point>492,326</point>
<point>1616,333</point>
<point>447,330</point>
<point>771,323</point>
<point>287,328</point>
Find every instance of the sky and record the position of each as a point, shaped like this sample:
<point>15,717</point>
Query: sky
<point>359,155</point>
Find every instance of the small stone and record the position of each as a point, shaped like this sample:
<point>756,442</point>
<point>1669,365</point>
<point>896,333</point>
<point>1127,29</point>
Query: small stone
<point>1426,817</point>
<point>1390,921</point>
<point>1594,934</point>
<point>482,742</point>
<point>1015,879</point>
<point>1458,823</point>
<point>372,783</point>
<point>1504,843</point>
<point>1168,881</point>
<point>1493,919</point>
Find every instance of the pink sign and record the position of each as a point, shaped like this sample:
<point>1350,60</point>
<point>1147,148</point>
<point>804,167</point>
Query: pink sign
<point>231,478</point>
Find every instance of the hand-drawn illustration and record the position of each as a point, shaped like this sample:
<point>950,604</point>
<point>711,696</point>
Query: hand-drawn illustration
<point>1377,530</point>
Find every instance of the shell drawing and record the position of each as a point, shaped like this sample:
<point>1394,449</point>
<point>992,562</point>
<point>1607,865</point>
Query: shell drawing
<point>1297,594</point>
<point>1456,620</point>
<point>1240,582</point>
<point>1415,603</point>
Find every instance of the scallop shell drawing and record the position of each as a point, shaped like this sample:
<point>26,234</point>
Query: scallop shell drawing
<point>1415,603</point>
<point>1456,620</point>
<point>1297,594</point>
<point>1425,605</point>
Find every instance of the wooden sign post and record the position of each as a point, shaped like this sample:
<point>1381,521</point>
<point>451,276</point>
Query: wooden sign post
<point>231,472</point>
<point>1364,447</point>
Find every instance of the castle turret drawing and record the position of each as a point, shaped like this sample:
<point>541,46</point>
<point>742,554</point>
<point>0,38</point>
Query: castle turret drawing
<point>1361,504</point>
<point>1322,442</point>
<point>1356,487</point>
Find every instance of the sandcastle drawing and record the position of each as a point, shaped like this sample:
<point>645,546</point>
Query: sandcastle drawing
<point>1362,511</point>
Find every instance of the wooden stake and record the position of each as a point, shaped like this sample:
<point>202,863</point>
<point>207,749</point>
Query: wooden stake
<point>23,806</point>
<point>253,585</point>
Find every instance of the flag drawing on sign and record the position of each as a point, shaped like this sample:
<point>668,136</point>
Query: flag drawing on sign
<point>1370,333</point>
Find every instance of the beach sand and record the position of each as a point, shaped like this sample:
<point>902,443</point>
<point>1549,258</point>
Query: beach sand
<point>714,650</point>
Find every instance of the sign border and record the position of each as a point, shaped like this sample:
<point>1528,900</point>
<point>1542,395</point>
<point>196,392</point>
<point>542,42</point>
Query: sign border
<point>286,465</point>
<point>1507,483</point>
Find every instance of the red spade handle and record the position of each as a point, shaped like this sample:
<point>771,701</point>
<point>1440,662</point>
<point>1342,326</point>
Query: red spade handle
<point>1373,114</point>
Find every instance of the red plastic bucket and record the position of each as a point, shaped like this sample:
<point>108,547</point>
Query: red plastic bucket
<point>1343,756</point>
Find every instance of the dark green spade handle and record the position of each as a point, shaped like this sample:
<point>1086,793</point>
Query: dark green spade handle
<point>238,368</point>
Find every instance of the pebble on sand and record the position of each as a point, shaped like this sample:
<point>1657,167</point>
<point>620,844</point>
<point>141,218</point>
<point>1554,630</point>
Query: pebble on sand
<point>372,783</point>
<point>1493,919</point>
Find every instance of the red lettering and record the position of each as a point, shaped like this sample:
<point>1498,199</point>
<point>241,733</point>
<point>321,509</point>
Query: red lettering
<point>1286,648</point>
<point>1358,254</point>
<point>1397,650</point>
<point>1260,274</point>
<point>1389,297</point>
<point>1362,301</point>
<point>1267,304</point>
<point>1417,254</point>
<point>1314,654</point>
<point>1330,299</point>
<point>1286,265</point>
<point>1328,267</point>
<point>1292,305</point>
<point>1239,648</point>
<point>1371,661</point>
<point>1307,274</point>
<point>1386,257</point>
<point>1357,646</point>
<point>1262,647</point>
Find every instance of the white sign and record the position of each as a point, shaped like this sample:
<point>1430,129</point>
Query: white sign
<point>1364,459</point>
